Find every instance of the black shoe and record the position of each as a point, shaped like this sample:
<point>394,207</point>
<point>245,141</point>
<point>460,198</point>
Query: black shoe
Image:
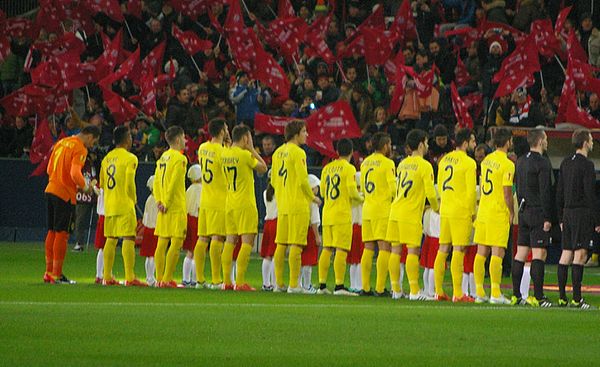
<point>78,248</point>
<point>64,280</point>
<point>365,293</point>
<point>563,302</point>
<point>582,305</point>
<point>545,303</point>
<point>383,294</point>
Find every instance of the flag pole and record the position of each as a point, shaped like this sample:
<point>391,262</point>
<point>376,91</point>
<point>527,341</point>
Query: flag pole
<point>341,71</point>
<point>368,76</point>
<point>196,65</point>
<point>245,6</point>
<point>272,11</point>
<point>128,29</point>
<point>542,78</point>
<point>219,41</point>
<point>296,63</point>
<point>560,63</point>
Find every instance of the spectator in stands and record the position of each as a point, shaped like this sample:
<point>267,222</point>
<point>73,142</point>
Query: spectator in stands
<point>178,111</point>
<point>473,66</point>
<point>439,145</point>
<point>527,12</point>
<point>158,150</point>
<point>287,108</point>
<point>479,154</point>
<point>548,109</point>
<point>376,86</point>
<point>442,59</point>
<point>428,15</point>
<point>594,106</point>
<point>326,93</point>
<point>585,30</point>
<point>201,111</point>
<point>306,107</point>
<point>502,111</point>
<point>409,56</point>
<point>147,135</point>
<point>246,97</point>
<point>361,106</point>
<point>268,146</point>
<point>379,122</point>
<point>524,111</point>
<point>154,37</point>
<point>333,36</point>
<point>19,138</point>
<point>495,11</point>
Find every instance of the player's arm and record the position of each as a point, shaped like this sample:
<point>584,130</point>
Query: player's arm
<point>130,177</point>
<point>75,172</point>
<point>50,167</point>
<point>302,174</point>
<point>471,187</point>
<point>390,177</point>
<point>157,187</point>
<point>176,177</point>
<point>315,221</point>
<point>507,184</point>
<point>351,185</point>
<point>260,166</point>
<point>430,192</point>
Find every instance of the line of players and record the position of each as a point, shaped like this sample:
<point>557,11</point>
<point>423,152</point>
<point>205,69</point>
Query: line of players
<point>394,202</point>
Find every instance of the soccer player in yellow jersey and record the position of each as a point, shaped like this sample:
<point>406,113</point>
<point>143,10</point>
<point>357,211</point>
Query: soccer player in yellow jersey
<point>211,219</point>
<point>239,163</point>
<point>169,192</point>
<point>338,185</point>
<point>494,216</point>
<point>379,187</point>
<point>117,179</point>
<point>457,181</point>
<point>414,184</point>
<point>293,195</point>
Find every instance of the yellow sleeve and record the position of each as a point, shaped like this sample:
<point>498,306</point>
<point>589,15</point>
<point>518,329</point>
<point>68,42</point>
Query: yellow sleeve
<point>351,184</point>
<point>156,188</point>
<point>302,174</point>
<point>429,188</point>
<point>176,177</point>
<point>322,186</point>
<point>471,186</point>
<point>509,174</point>
<point>252,162</point>
<point>390,174</point>
<point>131,169</point>
<point>102,176</point>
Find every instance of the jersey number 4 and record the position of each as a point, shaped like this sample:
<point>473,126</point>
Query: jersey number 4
<point>283,172</point>
<point>404,183</point>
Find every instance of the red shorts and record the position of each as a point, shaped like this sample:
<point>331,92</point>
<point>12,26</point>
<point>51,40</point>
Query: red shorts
<point>267,246</point>
<point>191,236</point>
<point>310,254</point>
<point>469,259</point>
<point>356,250</point>
<point>236,249</point>
<point>100,240</point>
<point>403,254</point>
<point>149,241</point>
<point>429,251</point>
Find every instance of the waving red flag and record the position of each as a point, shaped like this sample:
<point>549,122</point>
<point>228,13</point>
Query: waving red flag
<point>579,116</point>
<point>134,7</point>
<point>191,43</point>
<point>130,69</point>
<point>500,28</point>
<point>510,83</point>
<point>560,20</point>
<point>148,94</point>
<point>524,59</point>
<point>17,103</point>
<point>545,39</point>
<point>379,45</point>
<point>4,47</point>
<point>17,27</point>
<point>191,8</point>
<point>108,7</point>
<point>461,112</point>
<point>271,124</point>
<point>121,109</point>
<point>153,61</point>
<point>285,9</point>
<point>374,20</point>
<point>271,73</point>
<point>285,35</point>
<point>234,22</point>
<point>42,142</point>
<point>335,121</point>
<point>404,24</point>
<point>461,73</point>
<point>574,48</point>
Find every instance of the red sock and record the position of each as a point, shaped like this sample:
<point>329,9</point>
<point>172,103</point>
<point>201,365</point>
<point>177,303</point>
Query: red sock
<point>49,251</point>
<point>60,249</point>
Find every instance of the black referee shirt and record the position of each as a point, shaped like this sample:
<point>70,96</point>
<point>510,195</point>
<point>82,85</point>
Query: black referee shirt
<point>576,184</point>
<point>534,184</point>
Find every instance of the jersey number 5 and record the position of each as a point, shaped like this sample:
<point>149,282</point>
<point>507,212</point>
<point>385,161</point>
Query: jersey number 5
<point>488,182</point>
<point>207,174</point>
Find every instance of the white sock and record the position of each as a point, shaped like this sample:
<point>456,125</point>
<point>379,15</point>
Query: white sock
<point>431,290</point>
<point>266,272</point>
<point>233,271</point>
<point>358,277</point>
<point>187,269</point>
<point>150,268</point>
<point>272,273</point>
<point>525,281</point>
<point>465,283</point>
<point>401,280</point>
<point>193,279</point>
<point>306,274</point>
<point>100,264</point>
<point>352,276</point>
<point>426,280</point>
<point>472,288</point>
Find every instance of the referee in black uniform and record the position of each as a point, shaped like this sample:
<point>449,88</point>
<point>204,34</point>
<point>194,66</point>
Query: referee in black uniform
<point>534,194</point>
<point>578,215</point>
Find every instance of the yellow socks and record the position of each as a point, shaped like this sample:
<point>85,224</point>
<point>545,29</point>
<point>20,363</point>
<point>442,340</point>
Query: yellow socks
<point>242,263</point>
<point>226,260</point>
<point>324,261</point>
<point>456,269</point>
<point>199,260</point>
<point>496,275</point>
<point>172,257</point>
<point>439,270</point>
<point>109,257</point>
<point>128,252</point>
<point>394,269</point>
<point>295,263</point>
<point>216,247</point>
<point>159,257</point>
<point>366,264</point>
<point>479,274</point>
<point>339,266</point>
<point>383,260</point>
<point>279,264</point>
<point>412,273</point>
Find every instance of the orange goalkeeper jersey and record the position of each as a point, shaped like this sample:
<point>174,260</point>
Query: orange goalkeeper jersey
<point>64,168</point>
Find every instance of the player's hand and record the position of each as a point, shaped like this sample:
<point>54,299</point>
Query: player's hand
<point>317,201</point>
<point>318,241</point>
<point>547,226</point>
<point>161,207</point>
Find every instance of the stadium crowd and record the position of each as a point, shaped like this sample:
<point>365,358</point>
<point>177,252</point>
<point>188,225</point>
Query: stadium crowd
<point>396,66</point>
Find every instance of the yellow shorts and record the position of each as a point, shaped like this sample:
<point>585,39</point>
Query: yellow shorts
<point>171,225</point>
<point>402,233</point>
<point>292,229</point>
<point>492,234</point>
<point>123,225</point>
<point>211,222</point>
<point>242,221</point>
<point>455,231</point>
<point>338,236</point>
<point>374,229</point>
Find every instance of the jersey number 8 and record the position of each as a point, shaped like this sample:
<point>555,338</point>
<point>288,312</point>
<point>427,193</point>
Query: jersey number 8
<point>111,170</point>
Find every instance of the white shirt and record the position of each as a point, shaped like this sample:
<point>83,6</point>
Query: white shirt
<point>150,213</point>
<point>192,199</point>
<point>315,217</point>
<point>431,223</point>
<point>271,206</point>
<point>100,205</point>
<point>357,214</point>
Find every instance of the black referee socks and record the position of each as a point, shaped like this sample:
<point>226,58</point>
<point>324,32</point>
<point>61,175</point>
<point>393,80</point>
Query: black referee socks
<point>517,275</point>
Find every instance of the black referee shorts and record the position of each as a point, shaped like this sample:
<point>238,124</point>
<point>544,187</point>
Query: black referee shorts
<point>531,229</point>
<point>578,229</point>
<point>60,214</point>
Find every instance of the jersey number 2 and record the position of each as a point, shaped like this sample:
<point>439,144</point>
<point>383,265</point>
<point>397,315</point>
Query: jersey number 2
<point>446,185</point>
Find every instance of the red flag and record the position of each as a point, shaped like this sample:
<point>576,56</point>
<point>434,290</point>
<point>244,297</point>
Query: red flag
<point>49,17</point>
<point>583,75</point>
<point>42,142</point>
<point>574,48</point>
<point>321,144</point>
<point>374,20</point>
<point>467,34</point>
<point>391,66</point>
<point>579,116</point>
<point>17,103</point>
<point>460,109</point>
<point>524,59</point>
<point>474,103</point>
<point>271,124</point>
<point>404,24</point>
<point>271,73</point>
<point>108,7</point>
<point>134,7</point>
<point>107,62</point>
<point>461,73</point>
<point>285,9</point>
<point>191,8</point>
<point>545,39</point>
<point>568,92</point>
<point>79,75</point>
<point>130,69</point>
<point>509,83</point>
<point>191,43</point>
<point>560,20</point>
<point>379,45</point>
<point>17,27</point>
<point>215,23</point>
<point>81,17</point>
<point>314,39</point>
<point>396,75</point>
<point>234,21</point>
<point>4,47</point>
<point>500,28</point>
<point>285,35</point>
<point>423,80</point>
<point>121,109</point>
<point>334,121</point>
<point>148,94</point>
<point>153,61</point>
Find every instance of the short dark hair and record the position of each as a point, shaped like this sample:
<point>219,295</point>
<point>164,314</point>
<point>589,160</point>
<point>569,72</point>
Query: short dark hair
<point>415,137</point>
<point>580,136</point>
<point>344,147</point>
<point>501,137</point>
<point>239,132</point>
<point>380,140</point>
<point>440,130</point>
<point>120,134</point>
<point>215,127</point>
<point>172,133</point>
<point>463,135</point>
<point>91,130</point>
<point>534,137</point>
<point>293,128</point>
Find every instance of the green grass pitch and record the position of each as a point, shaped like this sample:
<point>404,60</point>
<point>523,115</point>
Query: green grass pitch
<point>86,324</point>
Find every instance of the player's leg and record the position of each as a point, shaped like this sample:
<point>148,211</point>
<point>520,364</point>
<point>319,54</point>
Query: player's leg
<point>200,259</point>
<point>439,271</point>
<point>394,270</point>
<point>227,259</point>
<point>242,263</point>
<point>562,273</point>
<point>537,273</point>
<point>99,266</point>
<point>188,265</point>
<point>526,280</point>
<point>281,239</point>
<point>266,273</point>
<point>63,221</point>
<point>325,259</point>
<point>517,271</point>
<point>495,269</point>
<point>479,271</point>
<point>109,257</point>
<point>160,258</point>
<point>267,250</point>
<point>456,270</point>
<point>383,261</point>
<point>295,264</point>
<point>171,262</point>
<point>339,270</point>
<point>49,242</point>
<point>215,253</point>
<point>579,258</point>
<point>366,265</point>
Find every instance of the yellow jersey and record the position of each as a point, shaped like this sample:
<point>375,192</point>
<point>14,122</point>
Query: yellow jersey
<point>238,166</point>
<point>117,179</point>
<point>378,175</point>
<point>338,188</point>
<point>497,172</point>
<point>214,184</point>
<point>169,181</point>
<point>457,182</point>
<point>290,180</point>
<point>413,185</point>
